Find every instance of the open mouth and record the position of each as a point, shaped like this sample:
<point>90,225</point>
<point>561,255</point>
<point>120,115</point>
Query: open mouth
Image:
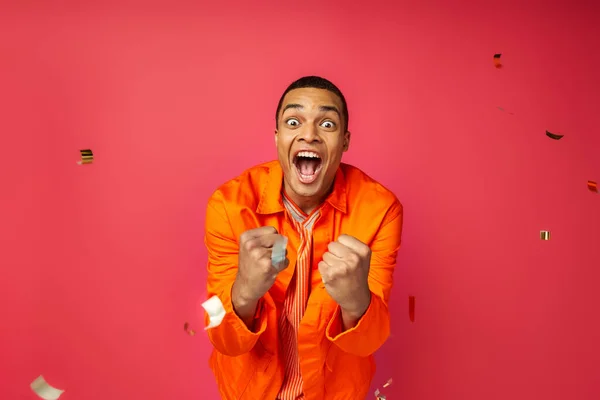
<point>308,165</point>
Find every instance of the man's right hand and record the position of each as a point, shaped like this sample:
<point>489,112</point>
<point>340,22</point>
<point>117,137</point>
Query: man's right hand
<point>256,274</point>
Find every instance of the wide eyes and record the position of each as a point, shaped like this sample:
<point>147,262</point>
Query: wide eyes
<point>293,122</point>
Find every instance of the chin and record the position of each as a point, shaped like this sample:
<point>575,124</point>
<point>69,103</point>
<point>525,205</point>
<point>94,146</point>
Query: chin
<point>304,190</point>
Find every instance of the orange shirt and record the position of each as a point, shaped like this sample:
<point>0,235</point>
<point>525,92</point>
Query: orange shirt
<point>334,365</point>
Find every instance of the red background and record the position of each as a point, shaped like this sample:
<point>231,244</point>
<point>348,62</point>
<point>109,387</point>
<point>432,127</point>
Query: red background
<point>102,264</point>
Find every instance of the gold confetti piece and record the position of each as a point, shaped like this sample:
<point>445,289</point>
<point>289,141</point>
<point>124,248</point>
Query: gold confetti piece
<point>189,331</point>
<point>87,157</point>
<point>44,390</point>
<point>593,186</point>
<point>553,135</point>
<point>215,310</point>
<point>388,383</point>
<point>497,62</point>
<point>411,308</point>
<point>545,235</point>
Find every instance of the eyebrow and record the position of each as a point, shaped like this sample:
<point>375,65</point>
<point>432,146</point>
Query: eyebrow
<point>321,108</point>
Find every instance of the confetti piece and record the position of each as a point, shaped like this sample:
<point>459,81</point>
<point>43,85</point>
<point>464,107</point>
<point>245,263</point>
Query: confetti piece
<point>44,390</point>
<point>545,235</point>
<point>189,331</point>
<point>215,310</point>
<point>411,308</point>
<point>497,62</point>
<point>593,186</point>
<point>553,135</point>
<point>278,254</point>
<point>388,383</point>
<point>87,157</point>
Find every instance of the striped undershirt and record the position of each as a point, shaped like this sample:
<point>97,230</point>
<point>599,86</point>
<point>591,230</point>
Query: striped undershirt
<point>294,304</point>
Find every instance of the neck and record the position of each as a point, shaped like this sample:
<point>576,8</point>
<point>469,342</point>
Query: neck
<point>306,204</point>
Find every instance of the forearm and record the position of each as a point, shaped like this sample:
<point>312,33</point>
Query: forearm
<point>351,315</point>
<point>233,337</point>
<point>243,307</point>
<point>361,336</point>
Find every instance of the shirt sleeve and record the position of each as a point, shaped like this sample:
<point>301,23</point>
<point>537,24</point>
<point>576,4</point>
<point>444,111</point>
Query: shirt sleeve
<point>373,329</point>
<point>232,337</point>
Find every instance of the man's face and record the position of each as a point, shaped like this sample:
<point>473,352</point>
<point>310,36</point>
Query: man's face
<point>310,140</point>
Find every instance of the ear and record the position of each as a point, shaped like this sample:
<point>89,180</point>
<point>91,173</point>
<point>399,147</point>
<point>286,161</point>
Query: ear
<point>276,136</point>
<point>347,140</point>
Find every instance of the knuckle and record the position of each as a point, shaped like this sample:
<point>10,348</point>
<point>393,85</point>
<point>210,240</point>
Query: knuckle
<point>353,258</point>
<point>255,253</point>
<point>248,245</point>
<point>366,250</point>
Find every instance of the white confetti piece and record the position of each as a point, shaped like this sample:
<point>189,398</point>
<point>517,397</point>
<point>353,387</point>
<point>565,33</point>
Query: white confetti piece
<point>378,395</point>
<point>388,383</point>
<point>216,311</point>
<point>278,253</point>
<point>44,390</point>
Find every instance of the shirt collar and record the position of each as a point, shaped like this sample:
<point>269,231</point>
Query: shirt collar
<point>271,199</point>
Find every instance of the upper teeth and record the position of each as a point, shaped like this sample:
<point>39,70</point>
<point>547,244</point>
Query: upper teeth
<point>308,154</point>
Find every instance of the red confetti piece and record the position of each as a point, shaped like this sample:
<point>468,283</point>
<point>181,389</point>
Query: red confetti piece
<point>411,308</point>
<point>554,135</point>
<point>497,62</point>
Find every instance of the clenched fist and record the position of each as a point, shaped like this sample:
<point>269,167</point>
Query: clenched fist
<point>345,273</point>
<point>256,274</point>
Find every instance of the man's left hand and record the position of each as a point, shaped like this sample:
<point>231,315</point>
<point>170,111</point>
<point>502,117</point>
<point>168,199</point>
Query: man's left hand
<point>345,273</point>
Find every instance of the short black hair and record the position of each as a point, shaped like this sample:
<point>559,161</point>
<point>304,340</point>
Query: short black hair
<point>318,83</point>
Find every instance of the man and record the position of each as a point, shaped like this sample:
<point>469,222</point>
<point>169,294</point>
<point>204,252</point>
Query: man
<point>306,329</point>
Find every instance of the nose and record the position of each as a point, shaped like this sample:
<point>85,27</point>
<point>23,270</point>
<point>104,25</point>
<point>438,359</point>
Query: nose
<point>309,134</point>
